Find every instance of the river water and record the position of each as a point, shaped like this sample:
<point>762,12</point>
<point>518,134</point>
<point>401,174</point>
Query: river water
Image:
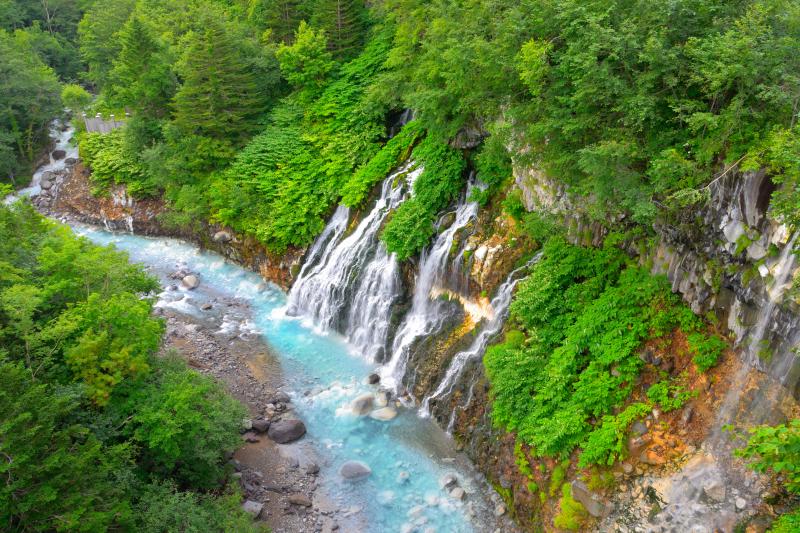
<point>408,455</point>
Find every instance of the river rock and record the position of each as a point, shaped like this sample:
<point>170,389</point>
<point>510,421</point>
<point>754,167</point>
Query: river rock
<point>448,481</point>
<point>261,425</point>
<point>740,503</point>
<point>592,502</point>
<point>190,282</point>
<point>714,490</point>
<point>384,414</point>
<point>280,397</point>
<point>312,468</point>
<point>46,184</point>
<point>353,470</point>
<point>222,236</point>
<point>252,508</point>
<point>373,379</point>
<point>403,477</point>
<point>458,493</point>
<point>59,154</point>
<point>70,161</point>
<point>285,431</point>
<point>299,499</point>
<point>362,405</point>
<point>500,509</point>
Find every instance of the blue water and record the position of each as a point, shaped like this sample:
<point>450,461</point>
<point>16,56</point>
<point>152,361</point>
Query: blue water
<point>324,375</point>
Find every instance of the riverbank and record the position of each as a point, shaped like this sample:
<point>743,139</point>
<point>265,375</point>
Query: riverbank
<point>282,478</point>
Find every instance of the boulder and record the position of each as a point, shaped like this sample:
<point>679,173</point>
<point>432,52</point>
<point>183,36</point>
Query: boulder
<point>285,431</point>
<point>280,397</point>
<point>46,184</point>
<point>353,470</point>
<point>384,414</point>
<point>206,307</point>
<point>299,499</point>
<point>373,379</point>
<point>190,282</point>
<point>363,404</point>
<point>312,468</point>
<point>458,493</point>
<point>261,425</point>
<point>448,481</point>
<point>740,503</point>
<point>222,236</point>
<point>595,505</point>
<point>70,161</point>
<point>381,399</point>
<point>59,154</point>
<point>714,490</point>
<point>252,508</point>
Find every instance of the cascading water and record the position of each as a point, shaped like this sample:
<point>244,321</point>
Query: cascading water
<point>426,315</point>
<point>61,136</point>
<point>355,281</point>
<point>500,304</point>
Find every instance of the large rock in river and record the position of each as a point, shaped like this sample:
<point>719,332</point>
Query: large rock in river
<point>190,282</point>
<point>363,404</point>
<point>285,431</point>
<point>353,470</point>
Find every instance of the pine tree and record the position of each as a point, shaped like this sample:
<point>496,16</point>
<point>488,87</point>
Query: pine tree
<point>141,78</point>
<point>343,22</point>
<point>279,16</point>
<point>219,97</point>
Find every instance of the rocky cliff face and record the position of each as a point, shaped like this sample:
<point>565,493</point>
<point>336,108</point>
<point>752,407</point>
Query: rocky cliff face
<point>72,198</point>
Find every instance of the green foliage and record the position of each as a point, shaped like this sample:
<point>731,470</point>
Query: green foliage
<point>29,100</point>
<point>571,513</point>
<point>306,63</point>
<point>96,431</point>
<point>787,523</point>
<point>162,508</point>
<point>411,226</point>
<point>75,97</point>
<point>608,442</point>
<point>343,21</point>
<point>585,313</point>
<point>355,191</point>
<point>776,449</point>
<point>185,423</point>
<point>112,161</point>
<point>219,95</point>
<point>670,394</point>
<point>57,476</point>
<point>705,349</point>
<point>558,475</point>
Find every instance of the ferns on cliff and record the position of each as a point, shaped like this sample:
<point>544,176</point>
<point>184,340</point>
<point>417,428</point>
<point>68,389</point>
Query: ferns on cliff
<point>585,312</point>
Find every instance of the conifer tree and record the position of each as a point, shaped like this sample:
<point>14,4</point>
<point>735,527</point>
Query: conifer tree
<point>219,97</point>
<point>141,76</point>
<point>279,16</point>
<point>343,22</point>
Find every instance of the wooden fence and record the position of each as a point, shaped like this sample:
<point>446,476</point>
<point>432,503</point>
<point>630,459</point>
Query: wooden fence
<point>98,124</point>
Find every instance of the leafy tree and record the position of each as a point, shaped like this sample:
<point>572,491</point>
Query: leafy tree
<point>281,17</point>
<point>306,63</point>
<point>57,476</point>
<point>28,102</point>
<point>97,42</point>
<point>185,424</point>
<point>75,97</point>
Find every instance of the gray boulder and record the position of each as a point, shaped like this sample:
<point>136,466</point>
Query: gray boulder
<point>252,508</point>
<point>285,431</point>
<point>59,154</point>
<point>261,425</point>
<point>591,501</point>
<point>353,470</point>
<point>190,282</point>
<point>222,236</point>
<point>299,499</point>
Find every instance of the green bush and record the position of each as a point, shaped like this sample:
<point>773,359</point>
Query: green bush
<point>608,442</point>
<point>705,349</point>
<point>585,313</point>
<point>776,449</point>
<point>670,394</point>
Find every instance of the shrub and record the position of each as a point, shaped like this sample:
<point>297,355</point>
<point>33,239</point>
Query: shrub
<point>705,349</point>
<point>670,394</point>
<point>607,443</point>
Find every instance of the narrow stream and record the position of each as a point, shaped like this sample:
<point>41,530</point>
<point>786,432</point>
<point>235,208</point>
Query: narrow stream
<point>408,455</point>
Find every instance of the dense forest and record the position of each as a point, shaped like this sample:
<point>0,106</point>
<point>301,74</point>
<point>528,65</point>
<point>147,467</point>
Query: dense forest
<point>263,115</point>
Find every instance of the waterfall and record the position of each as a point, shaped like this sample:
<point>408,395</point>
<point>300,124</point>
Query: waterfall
<point>426,315</point>
<point>350,283</point>
<point>500,305</point>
